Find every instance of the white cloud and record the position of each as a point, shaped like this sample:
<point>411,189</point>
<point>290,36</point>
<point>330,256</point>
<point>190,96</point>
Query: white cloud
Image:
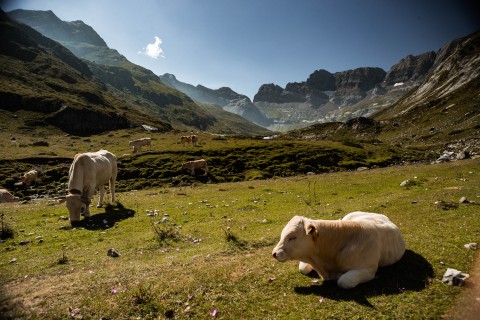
<point>153,50</point>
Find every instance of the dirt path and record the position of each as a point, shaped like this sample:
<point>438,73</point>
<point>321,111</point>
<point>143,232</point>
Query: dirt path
<point>467,305</point>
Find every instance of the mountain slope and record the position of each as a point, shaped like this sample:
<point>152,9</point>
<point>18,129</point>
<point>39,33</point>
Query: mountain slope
<point>38,74</point>
<point>447,105</point>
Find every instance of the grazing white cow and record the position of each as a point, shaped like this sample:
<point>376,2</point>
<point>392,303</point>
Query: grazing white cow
<point>139,143</point>
<point>348,250</point>
<point>189,139</point>
<point>29,177</point>
<point>88,171</point>
<point>196,164</point>
<point>6,196</point>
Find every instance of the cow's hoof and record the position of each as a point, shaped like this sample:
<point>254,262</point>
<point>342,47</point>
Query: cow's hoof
<point>75,224</point>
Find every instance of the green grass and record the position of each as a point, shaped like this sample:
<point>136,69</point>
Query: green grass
<point>230,158</point>
<point>222,257</point>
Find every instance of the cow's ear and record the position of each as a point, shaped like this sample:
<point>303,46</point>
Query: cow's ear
<point>312,231</point>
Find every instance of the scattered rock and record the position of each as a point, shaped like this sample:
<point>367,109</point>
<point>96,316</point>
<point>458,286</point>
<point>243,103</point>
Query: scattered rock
<point>464,200</point>
<point>24,242</point>
<point>362,168</point>
<point>446,156</point>
<point>462,155</point>
<point>446,205</point>
<point>453,277</point>
<point>112,253</point>
<point>13,260</point>
<point>407,183</point>
<point>471,246</point>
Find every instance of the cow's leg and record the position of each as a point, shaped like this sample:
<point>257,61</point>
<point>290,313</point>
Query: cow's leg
<point>112,189</point>
<point>86,207</point>
<point>101,189</point>
<point>304,268</point>
<point>354,277</point>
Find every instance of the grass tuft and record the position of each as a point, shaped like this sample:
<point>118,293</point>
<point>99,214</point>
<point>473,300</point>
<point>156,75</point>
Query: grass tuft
<point>6,231</point>
<point>164,235</point>
<point>234,241</point>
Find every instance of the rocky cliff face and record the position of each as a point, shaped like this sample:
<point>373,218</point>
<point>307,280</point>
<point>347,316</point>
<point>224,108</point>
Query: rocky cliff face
<point>340,96</point>
<point>411,68</point>
<point>313,91</point>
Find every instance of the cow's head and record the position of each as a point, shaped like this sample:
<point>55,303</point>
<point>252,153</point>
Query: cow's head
<point>296,241</point>
<point>75,207</point>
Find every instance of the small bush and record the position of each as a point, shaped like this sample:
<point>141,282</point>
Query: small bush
<point>256,175</point>
<point>40,144</point>
<point>165,235</point>
<point>234,241</point>
<point>7,231</point>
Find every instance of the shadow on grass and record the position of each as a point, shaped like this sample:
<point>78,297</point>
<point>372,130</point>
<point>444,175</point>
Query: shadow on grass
<point>106,220</point>
<point>412,273</point>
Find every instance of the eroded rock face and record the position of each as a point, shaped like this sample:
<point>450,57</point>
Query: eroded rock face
<point>360,78</point>
<point>411,68</point>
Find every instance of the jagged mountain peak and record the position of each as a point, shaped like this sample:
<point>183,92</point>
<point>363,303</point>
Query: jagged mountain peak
<point>46,22</point>
<point>411,68</point>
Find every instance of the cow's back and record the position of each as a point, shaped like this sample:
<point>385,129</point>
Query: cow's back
<point>392,242</point>
<point>105,166</point>
<point>92,168</point>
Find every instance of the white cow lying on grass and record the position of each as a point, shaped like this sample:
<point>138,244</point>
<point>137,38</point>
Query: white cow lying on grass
<point>196,164</point>
<point>88,171</point>
<point>29,177</point>
<point>139,143</point>
<point>348,250</point>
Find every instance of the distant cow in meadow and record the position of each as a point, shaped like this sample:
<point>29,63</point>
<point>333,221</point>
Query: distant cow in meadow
<point>6,196</point>
<point>348,250</point>
<point>88,171</point>
<point>139,143</point>
<point>196,164</point>
<point>29,177</point>
<point>189,139</point>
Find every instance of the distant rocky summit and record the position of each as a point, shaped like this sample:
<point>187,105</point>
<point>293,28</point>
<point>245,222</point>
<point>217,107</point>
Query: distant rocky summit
<point>411,68</point>
<point>224,98</point>
<point>361,92</point>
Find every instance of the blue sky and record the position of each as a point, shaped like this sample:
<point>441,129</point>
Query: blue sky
<point>243,44</point>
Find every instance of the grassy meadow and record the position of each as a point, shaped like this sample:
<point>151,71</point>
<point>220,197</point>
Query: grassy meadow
<point>203,250</point>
